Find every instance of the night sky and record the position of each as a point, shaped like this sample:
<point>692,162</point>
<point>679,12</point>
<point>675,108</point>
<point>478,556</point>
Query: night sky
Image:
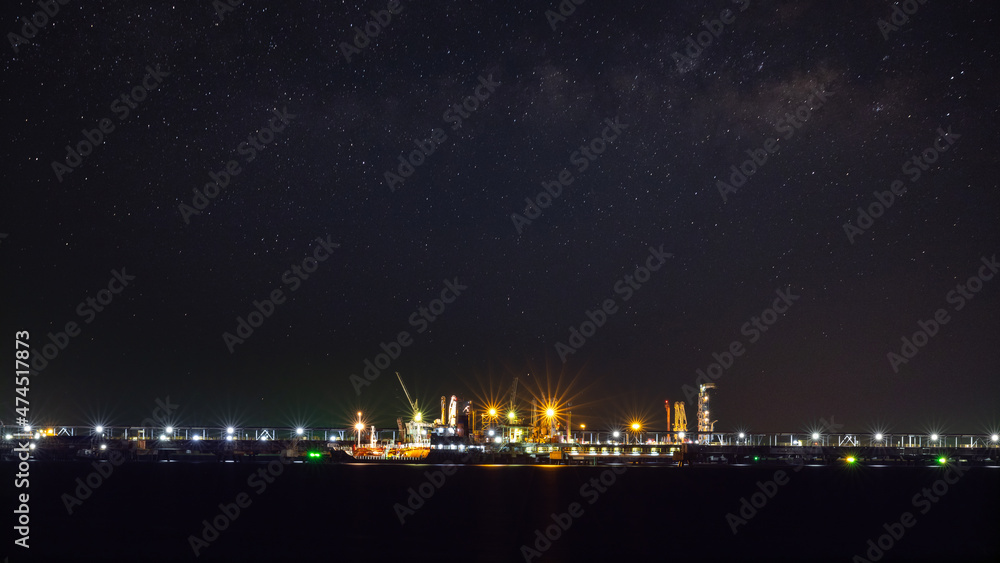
<point>837,105</point>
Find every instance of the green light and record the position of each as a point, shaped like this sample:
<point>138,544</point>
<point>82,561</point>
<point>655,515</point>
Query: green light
<point>315,454</point>
<point>756,458</point>
<point>851,459</point>
<point>942,460</point>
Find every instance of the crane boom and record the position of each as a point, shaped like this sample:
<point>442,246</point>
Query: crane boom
<point>407,393</point>
<point>513,395</point>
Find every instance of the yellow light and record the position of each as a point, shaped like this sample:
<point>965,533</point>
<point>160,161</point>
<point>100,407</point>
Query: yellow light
<point>417,417</point>
<point>550,412</point>
<point>511,415</point>
<point>359,426</point>
<point>636,426</point>
<point>493,412</point>
<point>583,427</point>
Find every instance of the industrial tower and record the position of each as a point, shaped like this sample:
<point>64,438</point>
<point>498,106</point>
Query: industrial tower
<point>704,425</point>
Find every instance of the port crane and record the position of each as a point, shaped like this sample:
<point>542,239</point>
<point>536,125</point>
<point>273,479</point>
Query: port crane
<point>513,401</point>
<point>415,430</point>
<point>413,404</point>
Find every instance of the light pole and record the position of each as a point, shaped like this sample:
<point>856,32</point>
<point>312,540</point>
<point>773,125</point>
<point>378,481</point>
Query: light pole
<point>359,427</point>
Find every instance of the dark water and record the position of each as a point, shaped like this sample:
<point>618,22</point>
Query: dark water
<point>146,512</point>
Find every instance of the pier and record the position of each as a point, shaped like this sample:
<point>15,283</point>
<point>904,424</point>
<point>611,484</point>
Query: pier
<point>208,444</point>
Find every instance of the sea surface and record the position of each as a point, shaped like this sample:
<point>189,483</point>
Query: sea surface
<point>157,511</point>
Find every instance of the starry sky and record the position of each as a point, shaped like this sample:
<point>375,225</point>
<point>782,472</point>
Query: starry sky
<point>843,101</point>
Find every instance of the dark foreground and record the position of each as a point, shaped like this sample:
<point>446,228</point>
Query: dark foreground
<point>150,512</point>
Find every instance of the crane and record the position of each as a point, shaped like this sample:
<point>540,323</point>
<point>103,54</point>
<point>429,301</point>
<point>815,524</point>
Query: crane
<point>513,397</point>
<point>415,430</point>
<point>413,404</point>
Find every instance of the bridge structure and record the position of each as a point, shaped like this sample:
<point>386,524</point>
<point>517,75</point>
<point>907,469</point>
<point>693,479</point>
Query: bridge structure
<point>207,443</point>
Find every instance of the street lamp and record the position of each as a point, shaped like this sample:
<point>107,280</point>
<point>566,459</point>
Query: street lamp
<point>550,414</point>
<point>359,427</point>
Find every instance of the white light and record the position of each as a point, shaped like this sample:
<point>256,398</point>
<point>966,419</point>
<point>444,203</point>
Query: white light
<point>615,433</point>
<point>27,428</point>
<point>104,446</point>
<point>934,437</point>
<point>815,435</point>
<point>229,430</point>
<point>31,447</point>
<point>299,431</point>
<point>497,439</point>
<point>9,436</point>
<point>492,432</point>
<point>37,435</point>
<point>163,436</point>
<point>264,438</point>
<point>196,437</point>
<point>994,437</point>
<point>878,436</point>
<point>680,435</point>
<point>229,438</point>
<point>169,429</point>
<point>742,435</point>
<point>99,429</point>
